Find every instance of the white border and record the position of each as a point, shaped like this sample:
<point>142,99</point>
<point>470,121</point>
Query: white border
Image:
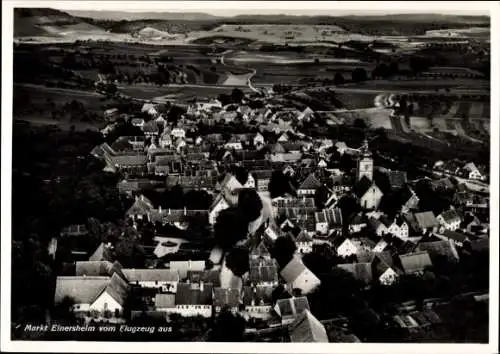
<point>470,7</point>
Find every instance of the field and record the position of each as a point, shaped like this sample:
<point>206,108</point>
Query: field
<point>181,93</point>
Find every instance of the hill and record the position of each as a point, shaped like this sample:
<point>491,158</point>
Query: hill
<point>135,16</point>
<point>32,22</point>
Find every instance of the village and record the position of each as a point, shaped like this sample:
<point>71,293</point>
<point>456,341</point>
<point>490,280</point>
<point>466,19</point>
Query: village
<point>377,225</point>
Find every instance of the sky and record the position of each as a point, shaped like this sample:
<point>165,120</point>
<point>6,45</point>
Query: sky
<point>309,8</point>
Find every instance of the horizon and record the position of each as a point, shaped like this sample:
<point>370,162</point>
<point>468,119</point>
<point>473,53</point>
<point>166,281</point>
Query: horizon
<point>290,8</point>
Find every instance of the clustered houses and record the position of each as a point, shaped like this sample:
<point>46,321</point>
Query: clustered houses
<point>375,245</point>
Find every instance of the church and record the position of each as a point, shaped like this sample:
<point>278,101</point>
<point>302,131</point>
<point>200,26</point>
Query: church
<point>368,193</point>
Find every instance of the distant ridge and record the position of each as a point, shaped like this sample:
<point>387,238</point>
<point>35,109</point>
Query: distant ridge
<point>134,16</point>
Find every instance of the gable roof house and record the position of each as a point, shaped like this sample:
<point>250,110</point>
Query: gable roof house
<point>263,274</point>
<point>416,262</point>
<point>226,298</point>
<point>165,280</point>
<point>368,193</point>
<point>397,179</point>
<point>427,221</point>
<point>101,294</point>
<point>298,276</point>
<point>141,209</point>
<point>384,269</point>
<point>220,203</point>
<point>458,238</point>
<point>290,308</point>
<point>184,266</point>
<point>257,302</point>
<point>328,220</point>
<point>360,271</point>
<point>193,300</point>
<point>442,248</point>
<point>449,219</point>
<point>304,242</point>
<point>309,185</point>
<point>307,329</point>
<point>104,252</point>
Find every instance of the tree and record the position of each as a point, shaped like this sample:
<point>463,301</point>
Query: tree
<point>321,196</point>
<point>359,123</point>
<point>249,204</point>
<point>237,95</point>
<point>338,79</point>
<point>237,260</point>
<point>283,250</point>
<point>230,227</point>
<point>359,75</point>
<point>279,184</point>
<point>228,327</point>
<point>175,113</point>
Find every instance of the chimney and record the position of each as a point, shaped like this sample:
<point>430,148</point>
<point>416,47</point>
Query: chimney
<point>159,209</point>
<point>185,211</point>
<point>201,285</point>
<point>168,211</point>
<point>252,303</point>
<point>142,197</point>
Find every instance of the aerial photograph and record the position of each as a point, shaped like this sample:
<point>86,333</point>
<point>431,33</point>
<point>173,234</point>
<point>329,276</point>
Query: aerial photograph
<point>250,177</point>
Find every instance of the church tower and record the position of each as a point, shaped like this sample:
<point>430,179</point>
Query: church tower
<point>365,163</point>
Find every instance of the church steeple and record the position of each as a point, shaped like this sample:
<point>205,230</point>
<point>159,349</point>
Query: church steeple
<point>365,150</point>
<point>365,162</point>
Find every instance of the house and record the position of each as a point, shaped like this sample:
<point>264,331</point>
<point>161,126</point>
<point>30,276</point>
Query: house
<point>307,329</point>
<point>98,268</point>
<point>283,137</point>
<point>271,233</point>
<point>309,186</point>
<point>304,242</point>
<point>472,172</point>
<point>111,114</point>
<point>226,298</point>
<point>458,238</point>
<point>290,308</point>
<point>234,143</point>
<point>357,223</point>
<point>416,262</point>
<point>257,302</point>
<point>411,221</point>
<point>137,122</point>
<point>193,300</point>
<point>344,246</point>
<point>384,269</point>
<point>211,276</point>
<point>361,271</point>
<point>258,140</point>
<point>183,267</point>
<point>368,194</point>
<point>263,274</point>
<point>298,276</point>
<point>178,133</point>
<point>328,220</point>
<point>397,179</point>
<point>377,226</point>
<point>103,295</point>
<point>151,128</point>
<point>150,109</point>
<point>305,115</point>
<point>262,179</point>
<point>165,280</point>
<point>427,221</point>
<point>408,199</point>
<point>103,253</point>
<point>75,230</point>
<point>220,203</point>
<point>441,248</point>
<point>449,219</point>
<point>400,228</point>
<point>260,252</point>
<point>141,209</point>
